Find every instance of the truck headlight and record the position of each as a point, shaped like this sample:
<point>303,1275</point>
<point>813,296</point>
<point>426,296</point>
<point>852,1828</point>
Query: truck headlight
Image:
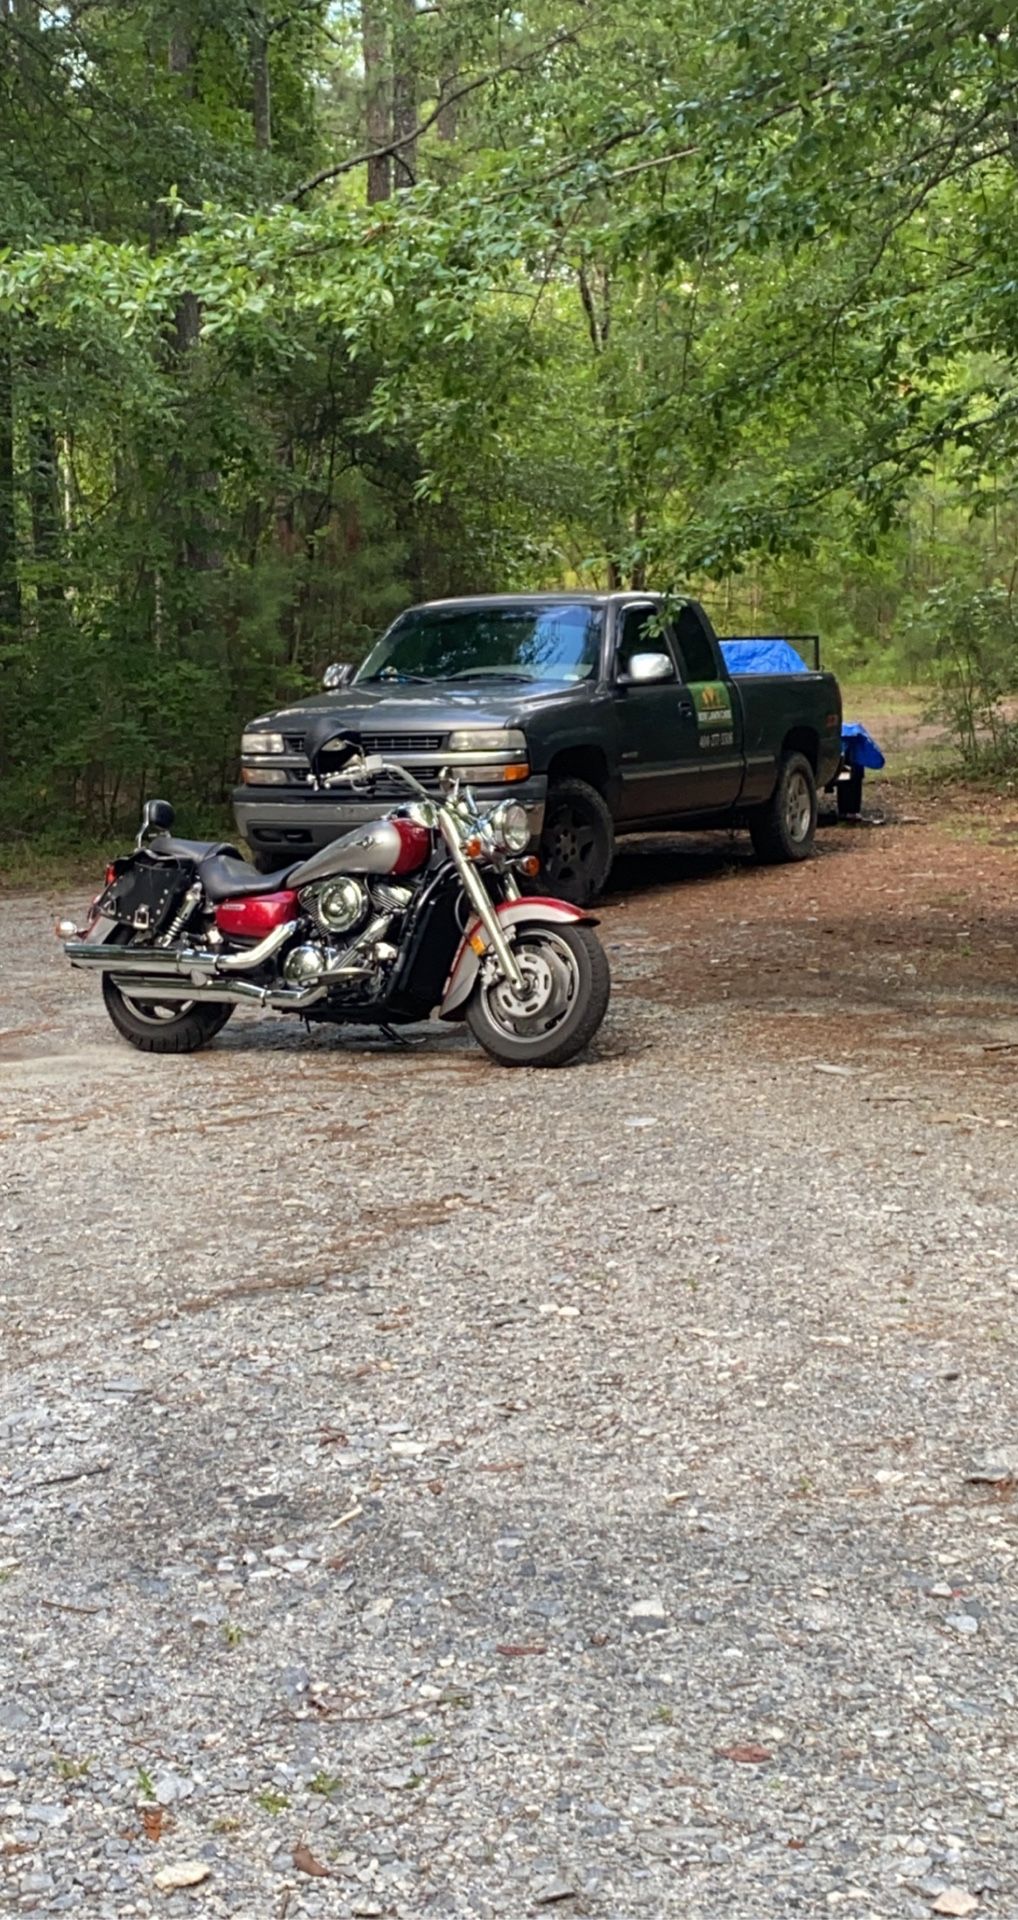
<point>509,827</point>
<point>252,743</point>
<point>507,740</point>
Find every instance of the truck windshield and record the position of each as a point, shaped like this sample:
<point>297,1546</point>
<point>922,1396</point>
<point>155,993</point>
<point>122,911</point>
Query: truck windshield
<point>560,642</point>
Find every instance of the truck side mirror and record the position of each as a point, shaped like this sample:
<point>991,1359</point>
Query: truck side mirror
<point>645,669</point>
<point>338,675</point>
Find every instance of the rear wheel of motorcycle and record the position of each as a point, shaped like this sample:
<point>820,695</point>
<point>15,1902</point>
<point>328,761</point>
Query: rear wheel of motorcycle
<point>170,1026</point>
<point>567,973</point>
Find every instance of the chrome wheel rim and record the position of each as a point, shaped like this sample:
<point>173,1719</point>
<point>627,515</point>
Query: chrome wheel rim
<point>798,808</point>
<point>551,977</point>
<point>156,1013</point>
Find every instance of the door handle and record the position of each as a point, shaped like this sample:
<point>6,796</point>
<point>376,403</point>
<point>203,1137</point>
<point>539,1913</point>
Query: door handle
<point>686,705</point>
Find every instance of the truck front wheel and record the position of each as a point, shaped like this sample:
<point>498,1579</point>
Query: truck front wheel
<point>577,842</point>
<point>785,828</point>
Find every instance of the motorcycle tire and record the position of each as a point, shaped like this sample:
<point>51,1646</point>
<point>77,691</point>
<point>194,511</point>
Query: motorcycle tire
<point>172,1027</point>
<point>516,1037</point>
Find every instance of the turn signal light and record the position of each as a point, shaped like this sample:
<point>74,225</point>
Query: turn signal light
<point>531,865</point>
<point>474,847</point>
<point>517,770</point>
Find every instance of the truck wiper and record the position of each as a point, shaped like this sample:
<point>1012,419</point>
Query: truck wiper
<point>492,673</point>
<point>395,677</point>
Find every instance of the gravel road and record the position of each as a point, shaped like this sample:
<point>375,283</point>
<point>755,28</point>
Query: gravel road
<point>432,1490</point>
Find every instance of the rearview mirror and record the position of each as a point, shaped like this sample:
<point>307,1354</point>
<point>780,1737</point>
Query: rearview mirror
<point>645,668</point>
<point>336,676</point>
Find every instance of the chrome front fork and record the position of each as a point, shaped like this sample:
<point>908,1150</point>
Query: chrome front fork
<point>478,898</point>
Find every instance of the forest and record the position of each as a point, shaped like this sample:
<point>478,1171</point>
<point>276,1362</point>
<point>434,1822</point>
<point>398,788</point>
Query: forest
<point>310,309</point>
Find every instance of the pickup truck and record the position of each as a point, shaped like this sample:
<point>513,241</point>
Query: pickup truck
<point>601,713</point>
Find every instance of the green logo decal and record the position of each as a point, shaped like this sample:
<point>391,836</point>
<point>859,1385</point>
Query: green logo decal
<point>713,702</point>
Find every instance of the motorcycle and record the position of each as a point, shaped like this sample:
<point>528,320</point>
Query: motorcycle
<point>419,911</point>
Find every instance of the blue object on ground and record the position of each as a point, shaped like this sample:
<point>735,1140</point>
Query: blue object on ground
<point>762,656</point>
<point>859,747</point>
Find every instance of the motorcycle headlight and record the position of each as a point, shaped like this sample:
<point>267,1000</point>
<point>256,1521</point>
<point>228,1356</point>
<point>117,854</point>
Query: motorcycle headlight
<point>262,743</point>
<point>510,827</point>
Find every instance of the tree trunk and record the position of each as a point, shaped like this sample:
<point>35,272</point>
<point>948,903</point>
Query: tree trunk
<point>377,115</point>
<point>447,125</point>
<point>180,58</point>
<point>261,85</point>
<point>404,93</point>
<point>10,593</point>
<point>47,523</point>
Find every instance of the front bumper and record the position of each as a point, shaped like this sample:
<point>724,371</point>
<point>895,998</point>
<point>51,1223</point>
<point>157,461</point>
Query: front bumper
<point>275,823</point>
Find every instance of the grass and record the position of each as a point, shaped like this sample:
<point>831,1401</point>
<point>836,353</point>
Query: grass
<point>271,1802</point>
<point>64,854</point>
<point>325,1783</point>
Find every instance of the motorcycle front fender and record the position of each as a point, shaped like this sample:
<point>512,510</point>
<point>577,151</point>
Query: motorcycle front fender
<point>467,964</point>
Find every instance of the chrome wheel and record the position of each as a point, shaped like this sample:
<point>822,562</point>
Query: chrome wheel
<point>798,808</point>
<point>550,984</point>
<point>560,1006</point>
<point>156,1013</point>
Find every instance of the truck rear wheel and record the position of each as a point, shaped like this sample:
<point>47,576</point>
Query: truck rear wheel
<point>577,842</point>
<point>785,828</point>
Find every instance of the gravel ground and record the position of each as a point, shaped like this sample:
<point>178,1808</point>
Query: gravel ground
<point>432,1490</point>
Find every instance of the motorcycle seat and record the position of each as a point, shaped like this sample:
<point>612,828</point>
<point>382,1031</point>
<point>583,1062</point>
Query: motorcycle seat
<point>225,876</point>
<point>165,847</point>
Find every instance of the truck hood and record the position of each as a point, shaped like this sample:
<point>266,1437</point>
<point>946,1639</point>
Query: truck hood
<point>420,709</point>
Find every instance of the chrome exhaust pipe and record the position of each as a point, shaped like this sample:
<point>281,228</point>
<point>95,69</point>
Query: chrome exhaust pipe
<point>238,993</point>
<point>161,962</point>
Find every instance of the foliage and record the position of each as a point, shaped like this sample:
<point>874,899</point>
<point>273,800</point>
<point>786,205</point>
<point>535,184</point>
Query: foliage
<point>304,315</point>
<point>969,641</point>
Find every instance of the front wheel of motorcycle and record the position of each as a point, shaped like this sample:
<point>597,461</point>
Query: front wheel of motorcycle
<point>169,1026</point>
<point>564,999</point>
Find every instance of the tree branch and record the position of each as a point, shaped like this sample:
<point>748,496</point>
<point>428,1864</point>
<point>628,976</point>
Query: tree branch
<point>445,100</point>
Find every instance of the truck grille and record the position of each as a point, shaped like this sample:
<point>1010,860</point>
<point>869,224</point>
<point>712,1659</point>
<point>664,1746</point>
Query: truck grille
<point>397,743</point>
<point>392,745</point>
<point>388,743</point>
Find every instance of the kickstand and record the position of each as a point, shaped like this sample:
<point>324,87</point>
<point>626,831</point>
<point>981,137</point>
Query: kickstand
<point>396,1038</point>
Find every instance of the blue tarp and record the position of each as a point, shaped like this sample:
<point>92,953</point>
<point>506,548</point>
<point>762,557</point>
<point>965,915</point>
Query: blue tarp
<point>859,747</point>
<point>776,656</point>
<point>762,656</point>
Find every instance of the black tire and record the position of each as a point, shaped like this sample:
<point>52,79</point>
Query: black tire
<point>154,1028</point>
<point>579,1019</point>
<point>577,842</point>
<point>785,829</point>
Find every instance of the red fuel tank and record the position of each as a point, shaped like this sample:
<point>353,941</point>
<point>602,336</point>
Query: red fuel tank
<point>414,846</point>
<point>252,919</point>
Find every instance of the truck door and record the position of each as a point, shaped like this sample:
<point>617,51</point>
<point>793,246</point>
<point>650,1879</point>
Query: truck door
<point>718,715</point>
<point>660,757</point>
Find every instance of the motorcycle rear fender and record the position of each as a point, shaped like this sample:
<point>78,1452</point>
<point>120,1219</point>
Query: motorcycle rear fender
<point>467,964</point>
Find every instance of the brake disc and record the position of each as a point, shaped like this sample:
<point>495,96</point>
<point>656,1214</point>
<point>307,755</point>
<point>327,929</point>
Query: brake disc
<point>545,994</point>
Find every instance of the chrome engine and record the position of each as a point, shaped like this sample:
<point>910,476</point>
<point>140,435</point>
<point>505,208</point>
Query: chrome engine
<point>305,963</point>
<point>340,905</point>
<point>344,905</point>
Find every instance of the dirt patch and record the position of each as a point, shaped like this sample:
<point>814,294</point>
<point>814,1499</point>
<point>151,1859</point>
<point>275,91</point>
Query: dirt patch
<point>895,939</point>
